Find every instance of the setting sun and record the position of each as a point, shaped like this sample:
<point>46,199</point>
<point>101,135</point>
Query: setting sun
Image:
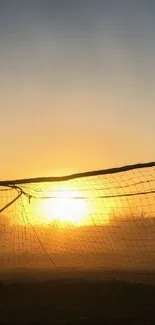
<point>64,207</point>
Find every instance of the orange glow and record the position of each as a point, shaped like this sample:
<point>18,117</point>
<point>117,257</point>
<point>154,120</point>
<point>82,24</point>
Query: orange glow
<point>67,205</point>
<point>65,209</point>
<point>62,207</point>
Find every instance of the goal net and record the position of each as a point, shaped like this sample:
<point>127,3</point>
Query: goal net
<point>96,220</point>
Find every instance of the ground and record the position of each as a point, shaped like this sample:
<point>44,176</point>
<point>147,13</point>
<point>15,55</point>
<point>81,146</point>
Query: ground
<point>87,300</point>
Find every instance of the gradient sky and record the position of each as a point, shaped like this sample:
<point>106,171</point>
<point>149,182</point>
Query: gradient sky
<point>77,81</point>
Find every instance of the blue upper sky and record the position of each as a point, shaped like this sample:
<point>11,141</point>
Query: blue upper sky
<point>77,82</point>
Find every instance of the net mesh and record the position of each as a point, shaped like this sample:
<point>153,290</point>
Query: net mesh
<point>94,221</point>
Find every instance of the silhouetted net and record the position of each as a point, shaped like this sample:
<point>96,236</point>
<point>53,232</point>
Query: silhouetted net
<point>90,222</point>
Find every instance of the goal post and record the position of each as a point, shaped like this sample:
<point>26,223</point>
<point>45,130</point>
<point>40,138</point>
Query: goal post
<point>101,219</point>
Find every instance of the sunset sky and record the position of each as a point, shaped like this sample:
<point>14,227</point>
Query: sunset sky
<point>77,81</point>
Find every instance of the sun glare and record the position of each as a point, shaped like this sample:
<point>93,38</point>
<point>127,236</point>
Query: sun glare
<point>67,206</point>
<point>64,207</point>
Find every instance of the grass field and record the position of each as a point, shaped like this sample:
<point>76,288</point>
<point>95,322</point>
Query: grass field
<point>107,298</point>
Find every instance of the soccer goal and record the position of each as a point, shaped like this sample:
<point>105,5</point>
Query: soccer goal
<point>102,219</point>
